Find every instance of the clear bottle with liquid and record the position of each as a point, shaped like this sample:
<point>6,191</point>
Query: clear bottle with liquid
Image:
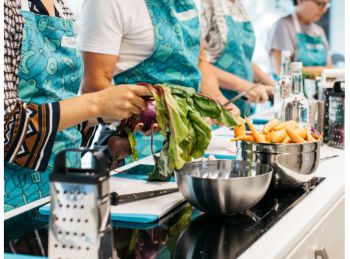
<point>284,84</point>
<point>295,106</point>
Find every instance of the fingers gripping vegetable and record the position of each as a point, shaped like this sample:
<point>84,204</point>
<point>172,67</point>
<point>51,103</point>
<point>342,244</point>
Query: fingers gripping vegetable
<point>180,114</point>
<point>148,116</point>
<point>119,147</point>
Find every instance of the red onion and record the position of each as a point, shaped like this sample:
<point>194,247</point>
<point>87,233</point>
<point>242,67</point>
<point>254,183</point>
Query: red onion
<point>148,116</point>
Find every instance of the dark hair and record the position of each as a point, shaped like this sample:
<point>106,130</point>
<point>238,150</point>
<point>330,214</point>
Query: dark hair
<point>295,2</point>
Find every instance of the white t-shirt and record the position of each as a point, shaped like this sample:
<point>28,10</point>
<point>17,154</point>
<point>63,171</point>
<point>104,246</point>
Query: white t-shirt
<point>118,27</point>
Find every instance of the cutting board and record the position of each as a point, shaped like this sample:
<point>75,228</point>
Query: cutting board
<point>143,211</point>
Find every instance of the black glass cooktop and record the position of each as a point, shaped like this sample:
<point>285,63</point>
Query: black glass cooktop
<point>183,233</point>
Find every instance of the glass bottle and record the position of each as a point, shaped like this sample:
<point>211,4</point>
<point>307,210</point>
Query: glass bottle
<point>284,84</point>
<point>295,106</point>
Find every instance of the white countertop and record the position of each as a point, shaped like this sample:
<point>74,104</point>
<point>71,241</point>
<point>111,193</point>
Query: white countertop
<point>291,228</point>
<point>278,241</point>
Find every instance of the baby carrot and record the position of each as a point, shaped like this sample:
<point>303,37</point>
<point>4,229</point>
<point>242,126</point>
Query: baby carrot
<point>270,125</point>
<point>286,140</point>
<point>248,138</point>
<point>294,137</point>
<point>278,136</point>
<point>284,125</point>
<point>240,130</point>
<point>309,137</point>
<point>301,132</point>
<point>257,136</point>
<point>316,136</point>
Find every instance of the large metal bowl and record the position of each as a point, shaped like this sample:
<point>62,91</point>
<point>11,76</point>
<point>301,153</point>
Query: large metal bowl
<point>223,186</point>
<point>293,164</point>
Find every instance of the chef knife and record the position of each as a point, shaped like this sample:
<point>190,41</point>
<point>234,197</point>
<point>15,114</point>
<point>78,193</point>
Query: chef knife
<point>125,198</point>
<point>240,95</point>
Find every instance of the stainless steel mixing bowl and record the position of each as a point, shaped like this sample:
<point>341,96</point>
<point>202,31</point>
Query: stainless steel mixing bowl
<point>223,186</point>
<point>293,164</point>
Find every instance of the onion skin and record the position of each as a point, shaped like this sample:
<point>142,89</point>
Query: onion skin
<point>148,116</point>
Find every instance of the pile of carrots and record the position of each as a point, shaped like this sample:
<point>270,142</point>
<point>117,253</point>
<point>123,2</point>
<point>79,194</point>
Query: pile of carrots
<point>274,131</point>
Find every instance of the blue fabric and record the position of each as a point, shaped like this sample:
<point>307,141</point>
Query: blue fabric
<point>237,56</point>
<point>311,50</point>
<point>125,217</point>
<point>49,72</point>
<point>17,256</point>
<point>174,60</point>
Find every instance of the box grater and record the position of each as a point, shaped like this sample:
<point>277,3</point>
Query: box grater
<point>80,223</point>
<point>334,123</point>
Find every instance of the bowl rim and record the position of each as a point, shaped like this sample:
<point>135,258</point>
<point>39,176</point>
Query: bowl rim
<point>270,170</point>
<point>281,144</point>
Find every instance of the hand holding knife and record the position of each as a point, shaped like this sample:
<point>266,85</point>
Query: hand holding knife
<point>234,99</point>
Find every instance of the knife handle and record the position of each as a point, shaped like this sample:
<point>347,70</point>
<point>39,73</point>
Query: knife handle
<point>114,198</point>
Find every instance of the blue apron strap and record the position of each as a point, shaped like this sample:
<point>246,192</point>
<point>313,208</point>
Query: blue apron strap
<point>58,8</point>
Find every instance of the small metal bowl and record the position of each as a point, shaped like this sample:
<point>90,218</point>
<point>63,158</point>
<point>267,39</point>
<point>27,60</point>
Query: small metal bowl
<point>223,186</point>
<point>293,164</point>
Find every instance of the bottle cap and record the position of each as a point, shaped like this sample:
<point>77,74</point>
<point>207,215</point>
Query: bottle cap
<point>285,53</point>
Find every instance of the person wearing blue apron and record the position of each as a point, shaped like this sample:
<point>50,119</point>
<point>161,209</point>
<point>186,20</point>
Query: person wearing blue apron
<point>229,44</point>
<point>153,42</point>
<point>44,77</point>
<point>299,34</point>
<point>49,77</point>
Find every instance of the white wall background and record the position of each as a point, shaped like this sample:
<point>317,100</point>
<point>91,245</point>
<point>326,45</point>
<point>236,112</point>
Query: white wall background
<point>337,26</point>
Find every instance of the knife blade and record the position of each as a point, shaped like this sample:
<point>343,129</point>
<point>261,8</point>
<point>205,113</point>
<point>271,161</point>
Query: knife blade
<point>125,198</point>
<point>232,100</point>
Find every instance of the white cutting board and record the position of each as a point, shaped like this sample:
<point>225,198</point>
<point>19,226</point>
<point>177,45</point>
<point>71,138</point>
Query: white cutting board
<point>143,211</point>
<point>123,185</point>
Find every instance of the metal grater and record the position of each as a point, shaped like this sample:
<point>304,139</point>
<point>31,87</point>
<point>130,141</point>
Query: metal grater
<point>80,224</point>
<point>334,121</point>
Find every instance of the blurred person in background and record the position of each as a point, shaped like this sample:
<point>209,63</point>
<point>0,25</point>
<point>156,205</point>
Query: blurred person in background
<point>298,33</point>
<point>229,43</point>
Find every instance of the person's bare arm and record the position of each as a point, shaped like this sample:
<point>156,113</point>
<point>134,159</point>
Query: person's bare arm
<point>113,103</point>
<point>317,70</point>
<point>265,80</point>
<point>262,77</point>
<point>210,84</point>
<point>99,69</point>
<point>313,70</point>
<point>110,103</point>
<point>230,81</point>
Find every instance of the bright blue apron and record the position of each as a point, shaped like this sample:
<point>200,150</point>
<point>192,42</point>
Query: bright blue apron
<point>237,56</point>
<point>175,57</point>
<point>51,70</point>
<point>311,50</point>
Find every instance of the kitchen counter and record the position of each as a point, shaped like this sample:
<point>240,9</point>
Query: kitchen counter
<point>279,240</point>
<point>288,231</point>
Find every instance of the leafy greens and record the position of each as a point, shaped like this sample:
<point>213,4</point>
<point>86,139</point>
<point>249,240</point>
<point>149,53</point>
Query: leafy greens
<point>181,115</point>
